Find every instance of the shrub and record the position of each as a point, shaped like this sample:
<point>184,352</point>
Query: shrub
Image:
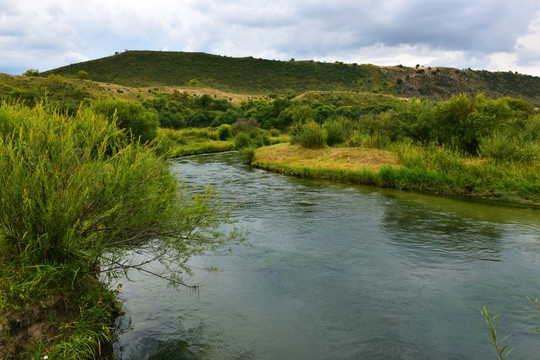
<point>76,195</point>
<point>200,133</point>
<point>309,135</point>
<point>261,140</point>
<point>81,74</point>
<point>129,115</point>
<point>31,72</point>
<point>242,140</point>
<point>430,157</point>
<point>248,155</point>
<point>224,132</point>
<point>55,81</point>
<point>504,147</point>
<point>335,132</point>
<point>250,126</point>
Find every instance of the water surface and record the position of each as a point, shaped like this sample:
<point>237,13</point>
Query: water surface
<point>342,272</point>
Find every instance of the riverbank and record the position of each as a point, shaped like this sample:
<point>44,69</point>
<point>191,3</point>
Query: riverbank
<point>428,170</point>
<point>44,313</point>
<point>202,148</point>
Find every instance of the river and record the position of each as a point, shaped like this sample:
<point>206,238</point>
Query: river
<point>341,272</point>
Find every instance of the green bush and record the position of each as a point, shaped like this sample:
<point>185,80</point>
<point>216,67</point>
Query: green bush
<point>55,81</point>
<point>504,147</point>
<point>248,155</point>
<point>242,140</point>
<point>430,157</point>
<point>31,72</point>
<point>335,132</point>
<point>249,126</point>
<point>81,74</point>
<point>80,184</point>
<point>309,135</point>
<point>200,133</point>
<point>131,116</point>
<point>224,132</point>
<point>76,195</point>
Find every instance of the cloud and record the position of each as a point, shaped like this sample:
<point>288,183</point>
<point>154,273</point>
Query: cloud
<point>463,33</point>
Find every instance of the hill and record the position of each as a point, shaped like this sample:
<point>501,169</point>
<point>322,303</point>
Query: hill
<point>259,76</point>
<point>441,83</point>
<point>244,75</point>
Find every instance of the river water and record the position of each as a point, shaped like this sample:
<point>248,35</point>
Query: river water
<point>342,272</point>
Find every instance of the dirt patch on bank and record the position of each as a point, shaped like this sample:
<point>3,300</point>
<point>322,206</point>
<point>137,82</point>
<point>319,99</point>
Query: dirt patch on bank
<point>32,324</point>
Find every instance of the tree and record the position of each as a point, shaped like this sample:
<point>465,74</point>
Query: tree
<point>31,72</point>
<point>83,74</point>
<point>55,81</point>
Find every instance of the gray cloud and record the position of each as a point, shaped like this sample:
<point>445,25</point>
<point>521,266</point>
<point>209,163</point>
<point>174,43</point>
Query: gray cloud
<point>483,33</point>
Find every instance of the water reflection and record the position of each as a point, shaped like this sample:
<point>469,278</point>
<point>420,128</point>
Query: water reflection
<point>445,233</point>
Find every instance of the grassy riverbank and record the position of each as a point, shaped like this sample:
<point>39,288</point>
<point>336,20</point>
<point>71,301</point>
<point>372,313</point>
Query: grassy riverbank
<point>177,143</point>
<point>46,310</point>
<point>433,170</point>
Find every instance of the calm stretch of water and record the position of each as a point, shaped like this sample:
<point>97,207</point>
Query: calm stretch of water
<point>342,272</point>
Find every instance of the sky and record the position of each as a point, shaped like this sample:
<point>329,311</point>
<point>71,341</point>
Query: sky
<point>479,34</point>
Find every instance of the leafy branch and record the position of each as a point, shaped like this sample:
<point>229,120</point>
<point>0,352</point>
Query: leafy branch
<point>493,323</point>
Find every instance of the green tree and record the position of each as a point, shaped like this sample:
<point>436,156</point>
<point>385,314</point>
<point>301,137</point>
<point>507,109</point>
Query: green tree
<point>55,81</point>
<point>336,132</point>
<point>81,74</point>
<point>452,125</point>
<point>31,72</point>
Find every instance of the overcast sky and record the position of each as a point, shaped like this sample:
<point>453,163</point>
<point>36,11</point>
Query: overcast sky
<point>480,34</point>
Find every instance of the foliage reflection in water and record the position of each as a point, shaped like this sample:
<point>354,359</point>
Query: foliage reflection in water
<point>342,272</point>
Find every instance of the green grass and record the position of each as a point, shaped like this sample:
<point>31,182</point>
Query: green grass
<point>177,143</point>
<point>202,147</point>
<point>434,170</point>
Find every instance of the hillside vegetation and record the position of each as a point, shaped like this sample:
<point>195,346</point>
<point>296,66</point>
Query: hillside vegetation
<point>441,83</point>
<point>248,75</point>
<point>259,76</point>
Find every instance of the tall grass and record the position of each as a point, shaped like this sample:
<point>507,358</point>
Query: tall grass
<point>76,194</point>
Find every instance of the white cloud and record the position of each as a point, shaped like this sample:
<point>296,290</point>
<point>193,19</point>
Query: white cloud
<point>482,34</point>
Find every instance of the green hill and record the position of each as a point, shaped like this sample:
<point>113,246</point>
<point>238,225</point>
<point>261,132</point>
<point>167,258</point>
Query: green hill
<point>139,69</point>
<point>245,75</point>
